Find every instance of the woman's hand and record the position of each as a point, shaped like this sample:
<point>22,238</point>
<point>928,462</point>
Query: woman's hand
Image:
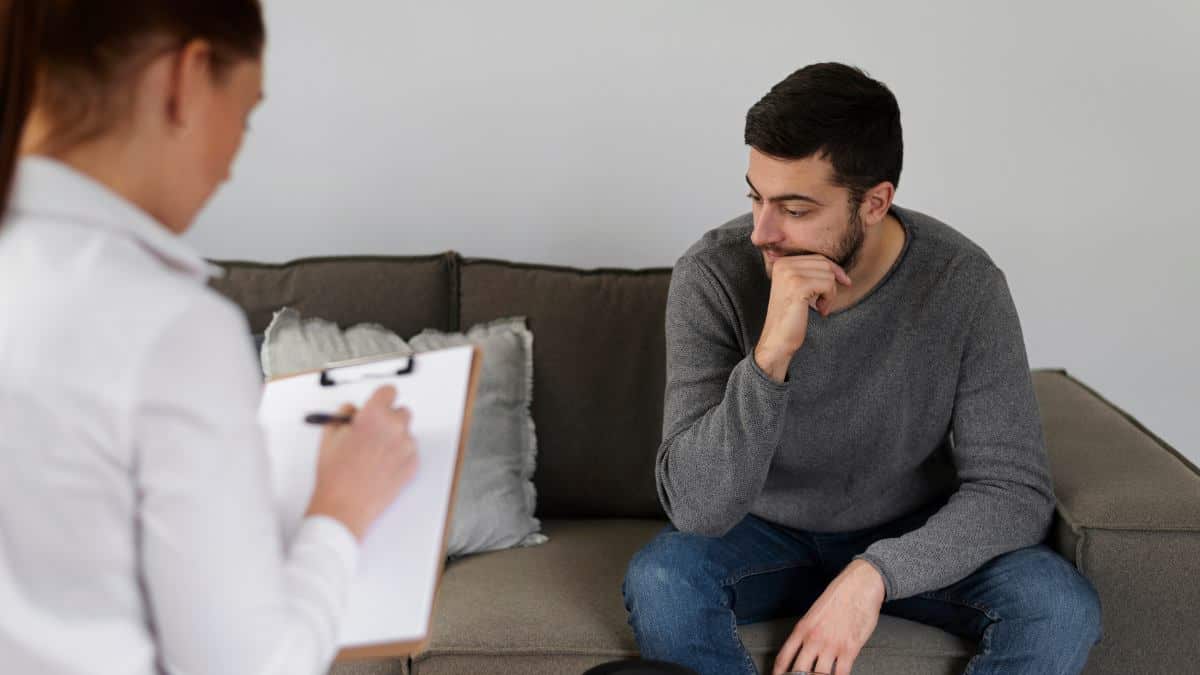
<point>364,463</point>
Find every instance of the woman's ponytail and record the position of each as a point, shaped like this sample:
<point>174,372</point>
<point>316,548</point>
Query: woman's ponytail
<point>20,38</point>
<point>70,55</point>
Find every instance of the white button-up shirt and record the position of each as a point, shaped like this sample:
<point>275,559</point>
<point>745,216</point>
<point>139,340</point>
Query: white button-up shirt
<point>137,530</point>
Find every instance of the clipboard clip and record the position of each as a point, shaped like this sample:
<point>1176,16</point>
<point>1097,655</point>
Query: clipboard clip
<point>327,381</point>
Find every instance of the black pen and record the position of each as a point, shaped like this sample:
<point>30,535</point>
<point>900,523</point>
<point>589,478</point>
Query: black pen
<point>327,418</point>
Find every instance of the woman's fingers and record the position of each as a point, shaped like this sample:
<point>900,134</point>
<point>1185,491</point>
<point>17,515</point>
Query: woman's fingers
<point>380,402</point>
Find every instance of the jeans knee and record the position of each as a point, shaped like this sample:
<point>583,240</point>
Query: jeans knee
<point>640,577</point>
<point>1080,611</point>
<point>1067,602</point>
<point>669,571</point>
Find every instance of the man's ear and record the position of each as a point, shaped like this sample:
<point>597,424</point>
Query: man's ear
<point>188,84</point>
<point>876,202</point>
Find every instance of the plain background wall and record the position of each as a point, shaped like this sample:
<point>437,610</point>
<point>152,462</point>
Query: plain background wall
<point>1061,136</point>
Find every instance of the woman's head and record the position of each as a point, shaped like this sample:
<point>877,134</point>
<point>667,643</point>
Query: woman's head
<point>159,88</point>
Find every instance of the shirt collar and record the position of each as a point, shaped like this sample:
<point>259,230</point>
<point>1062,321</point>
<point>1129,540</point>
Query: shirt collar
<point>48,188</point>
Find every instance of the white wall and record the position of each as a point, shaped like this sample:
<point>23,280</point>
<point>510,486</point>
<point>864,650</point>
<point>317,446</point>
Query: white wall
<point>1061,136</point>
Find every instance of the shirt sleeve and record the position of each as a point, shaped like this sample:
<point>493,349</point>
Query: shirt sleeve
<point>723,416</point>
<point>226,593</point>
<point>1005,500</point>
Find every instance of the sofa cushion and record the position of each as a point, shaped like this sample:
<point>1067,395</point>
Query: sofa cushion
<point>403,294</point>
<point>558,609</point>
<point>599,373</point>
<point>396,666</point>
<point>294,343</point>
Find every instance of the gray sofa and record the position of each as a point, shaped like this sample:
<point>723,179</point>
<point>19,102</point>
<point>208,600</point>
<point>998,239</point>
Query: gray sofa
<point>1128,512</point>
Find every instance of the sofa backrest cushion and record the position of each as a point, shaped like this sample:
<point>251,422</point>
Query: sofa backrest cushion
<point>404,294</point>
<point>599,375</point>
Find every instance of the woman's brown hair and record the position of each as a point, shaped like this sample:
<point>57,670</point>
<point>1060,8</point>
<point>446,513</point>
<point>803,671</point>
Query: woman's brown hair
<point>71,59</point>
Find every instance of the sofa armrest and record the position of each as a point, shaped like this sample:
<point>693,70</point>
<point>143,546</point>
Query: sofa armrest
<point>1128,516</point>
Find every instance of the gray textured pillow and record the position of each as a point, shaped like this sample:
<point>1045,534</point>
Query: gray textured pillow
<point>495,500</point>
<point>293,344</point>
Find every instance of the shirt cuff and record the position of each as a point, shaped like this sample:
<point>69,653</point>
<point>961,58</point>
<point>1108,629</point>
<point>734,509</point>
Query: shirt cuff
<point>330,532</point>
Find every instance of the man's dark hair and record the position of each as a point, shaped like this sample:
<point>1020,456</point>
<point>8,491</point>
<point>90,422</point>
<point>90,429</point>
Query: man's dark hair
<point>835,111</point>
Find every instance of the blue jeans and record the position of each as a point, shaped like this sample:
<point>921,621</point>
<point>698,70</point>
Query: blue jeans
<point>1030,611</point>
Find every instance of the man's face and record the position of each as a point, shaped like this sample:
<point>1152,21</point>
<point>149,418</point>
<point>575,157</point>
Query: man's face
<point>799,211</point>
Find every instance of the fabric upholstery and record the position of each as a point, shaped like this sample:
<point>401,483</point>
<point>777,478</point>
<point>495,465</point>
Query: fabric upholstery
<point>294,343</point>
<point>398,666</point>
<point>1108,472</point>
<point>403,294</point>
<point>599,372</point>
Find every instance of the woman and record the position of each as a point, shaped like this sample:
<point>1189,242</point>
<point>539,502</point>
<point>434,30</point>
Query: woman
<point>137,533</point>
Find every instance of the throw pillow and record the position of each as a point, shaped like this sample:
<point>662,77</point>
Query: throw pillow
<point>495,500</point>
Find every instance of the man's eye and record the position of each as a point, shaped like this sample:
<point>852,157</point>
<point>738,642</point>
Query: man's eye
<point>754,198</point>
<point>795,214</point>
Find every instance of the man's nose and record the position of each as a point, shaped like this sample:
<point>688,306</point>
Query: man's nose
<point>766,229</point>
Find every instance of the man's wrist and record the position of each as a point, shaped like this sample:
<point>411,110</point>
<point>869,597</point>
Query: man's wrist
<point>869,577</point>
<point>773,362</point>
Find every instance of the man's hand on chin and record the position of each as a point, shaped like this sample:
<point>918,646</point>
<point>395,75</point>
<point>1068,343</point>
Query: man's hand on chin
<point>837,625</point>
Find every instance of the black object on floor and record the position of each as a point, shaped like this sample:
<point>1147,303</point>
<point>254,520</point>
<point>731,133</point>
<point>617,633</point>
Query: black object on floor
<point>640,667</point>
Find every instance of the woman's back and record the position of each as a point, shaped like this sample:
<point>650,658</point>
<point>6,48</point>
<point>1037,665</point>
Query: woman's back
<point>90,291</point>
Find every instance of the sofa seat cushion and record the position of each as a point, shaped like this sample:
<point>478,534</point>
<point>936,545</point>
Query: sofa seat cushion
<point>393,666</point>
<point>557,609</point>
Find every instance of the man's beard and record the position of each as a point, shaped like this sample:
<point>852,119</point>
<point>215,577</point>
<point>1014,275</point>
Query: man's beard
<point>845,254</point>
<point>851,245</point>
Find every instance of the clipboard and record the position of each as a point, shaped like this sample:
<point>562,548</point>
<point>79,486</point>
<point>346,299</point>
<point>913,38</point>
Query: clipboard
<point>403,555</point>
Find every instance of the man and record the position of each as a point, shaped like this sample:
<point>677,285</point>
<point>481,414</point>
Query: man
<point>850,423</point>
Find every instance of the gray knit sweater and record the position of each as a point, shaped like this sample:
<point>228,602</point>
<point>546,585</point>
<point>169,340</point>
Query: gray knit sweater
<point>919,392</point>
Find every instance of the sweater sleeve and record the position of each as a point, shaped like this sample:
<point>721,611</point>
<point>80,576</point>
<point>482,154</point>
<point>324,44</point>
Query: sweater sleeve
<point>723,416</point>
<point>1005,500</point>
